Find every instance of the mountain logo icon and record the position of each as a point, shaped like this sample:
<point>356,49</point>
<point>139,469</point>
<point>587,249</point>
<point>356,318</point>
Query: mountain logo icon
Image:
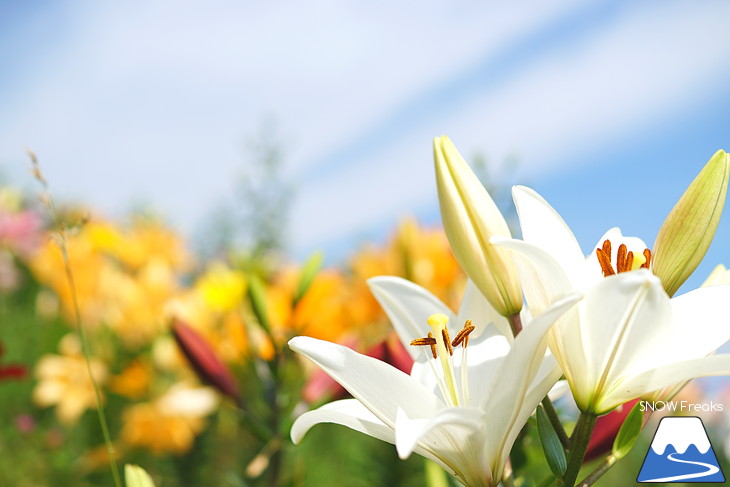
<point>680,452</point>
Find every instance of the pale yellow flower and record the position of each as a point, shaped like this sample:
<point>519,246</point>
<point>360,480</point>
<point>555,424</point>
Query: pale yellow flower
<point>64,382</point>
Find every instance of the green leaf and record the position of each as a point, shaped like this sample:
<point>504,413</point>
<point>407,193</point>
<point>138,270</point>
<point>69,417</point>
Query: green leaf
<point>309,272</point>
<point>135,476</point>
<point>257,295</point>
<point>629,432</point>
<point>554,453</point>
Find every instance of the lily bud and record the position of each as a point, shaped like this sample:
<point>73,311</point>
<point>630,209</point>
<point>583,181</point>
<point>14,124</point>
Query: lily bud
<point>206,364</point>
<point>135,476</point>
<point>470,219</point>
<point>687,232</point>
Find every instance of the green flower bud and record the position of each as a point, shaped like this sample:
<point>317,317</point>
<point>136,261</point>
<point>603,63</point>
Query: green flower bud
<point>687,232</point>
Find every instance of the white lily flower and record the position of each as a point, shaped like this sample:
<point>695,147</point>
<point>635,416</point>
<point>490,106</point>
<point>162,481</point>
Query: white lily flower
<point>461,411</point>
<point>626,338</point>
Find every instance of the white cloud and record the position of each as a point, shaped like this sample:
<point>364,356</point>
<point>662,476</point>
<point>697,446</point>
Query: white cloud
<point>153,100</point>
<point>637,70</point>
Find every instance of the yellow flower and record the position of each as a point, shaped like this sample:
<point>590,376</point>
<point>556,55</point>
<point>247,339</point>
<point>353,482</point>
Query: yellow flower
<point>63,381</point>
<point>171,422</point>
<point>123,279</point>
<point>213,307</point>
<point>222,288</point>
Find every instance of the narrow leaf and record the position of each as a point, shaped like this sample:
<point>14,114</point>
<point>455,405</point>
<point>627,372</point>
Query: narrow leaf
<point>257,295</point>
<point>309,272</point>
<point>554,453</point>
<point>629,432</point>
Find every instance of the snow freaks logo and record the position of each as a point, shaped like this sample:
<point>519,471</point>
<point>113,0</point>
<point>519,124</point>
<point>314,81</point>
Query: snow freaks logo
<point>680,452</point>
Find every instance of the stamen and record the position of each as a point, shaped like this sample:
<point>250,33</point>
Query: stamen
<point>463,335</point>
<point>430,341</point>
<point>621,259</point>
<point>607,248</point>
<point>624,259</point>
<point>445,336</point>
<point>647,259</point>
<point>438,323</point>
<point>605,261</point>
<point>629,261</point>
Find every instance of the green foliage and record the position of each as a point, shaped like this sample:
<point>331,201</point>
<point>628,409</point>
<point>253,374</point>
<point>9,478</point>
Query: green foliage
<point>629,432</point>
<point>554,453</point>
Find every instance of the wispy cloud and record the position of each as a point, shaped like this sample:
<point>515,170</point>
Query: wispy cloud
<point>631,72</point>
<point>153,101</point>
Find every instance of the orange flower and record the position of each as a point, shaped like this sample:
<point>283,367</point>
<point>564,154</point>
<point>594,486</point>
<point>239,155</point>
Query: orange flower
<point>171,422</point>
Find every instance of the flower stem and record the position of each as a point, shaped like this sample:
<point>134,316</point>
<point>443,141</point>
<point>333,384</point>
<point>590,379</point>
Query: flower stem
<point>578,446</point>
<point>61,238</point>
<point>515,323</point>
<point>552,415</point>
<point>598,472</point>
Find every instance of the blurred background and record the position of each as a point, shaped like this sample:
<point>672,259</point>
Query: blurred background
<point>289,145</point>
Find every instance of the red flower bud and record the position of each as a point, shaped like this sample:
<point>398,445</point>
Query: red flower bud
<point>11,371</point>
<point>210,369</point>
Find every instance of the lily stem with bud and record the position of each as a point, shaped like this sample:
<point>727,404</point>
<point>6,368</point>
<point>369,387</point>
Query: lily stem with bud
<point>552,415</point>
<point>579,444</point>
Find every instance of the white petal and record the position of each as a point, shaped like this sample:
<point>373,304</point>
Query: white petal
<point>524,359</point>
<point>656,379</point>
<point>347,412</point>
<point>626,320</point>
<point>535,394</point>
<point>408,306</point>
<point>456,435</point>
<point>380,387</point>
<point>700,324</point>
<point>541,225</point>
<point>475,307</point>
<point>518,369</point>
<point>541,275</point>
<point>352,414</point>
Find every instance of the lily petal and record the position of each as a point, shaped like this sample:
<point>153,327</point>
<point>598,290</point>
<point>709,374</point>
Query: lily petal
<point>542,225</point>
<point>408,306</point>
<point>517,371</point>
<point>625,312</point>
<point>380,387</point>
<point>668,375</point>
<point>698,326</point>
<point>456,433</point>
<point>347,412</point>
<point>475,307</point>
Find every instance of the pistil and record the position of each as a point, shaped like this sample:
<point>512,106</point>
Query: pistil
<point>442,348</point>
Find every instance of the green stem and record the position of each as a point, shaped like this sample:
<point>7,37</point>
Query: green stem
<point>515,323</point>
<point>578,445</point>
<point>552,415</point>
<point>598,472</point>
<point>435,475</point>
<point>61,239</point>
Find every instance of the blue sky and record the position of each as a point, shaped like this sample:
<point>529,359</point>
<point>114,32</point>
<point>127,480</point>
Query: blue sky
<point>610,108</point>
